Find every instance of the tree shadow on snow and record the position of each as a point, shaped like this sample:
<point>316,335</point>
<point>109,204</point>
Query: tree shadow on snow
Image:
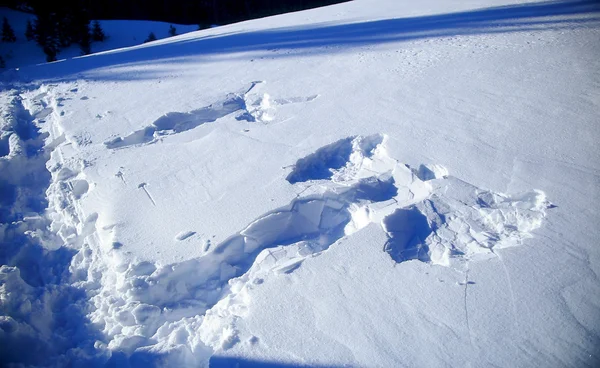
<point>547,15</point>
<point>238,362</point>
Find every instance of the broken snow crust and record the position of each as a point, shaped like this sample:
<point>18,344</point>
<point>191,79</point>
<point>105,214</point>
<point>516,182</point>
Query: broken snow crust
<point>396,184</point>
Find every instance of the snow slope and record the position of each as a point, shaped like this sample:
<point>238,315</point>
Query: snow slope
<point>375,183</point>
<point>119,34</point>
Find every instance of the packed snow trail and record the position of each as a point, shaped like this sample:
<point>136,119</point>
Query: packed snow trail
<point>43,321</point>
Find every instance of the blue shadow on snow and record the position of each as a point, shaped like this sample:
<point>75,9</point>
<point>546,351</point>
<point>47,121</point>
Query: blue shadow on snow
<point>311,39</point>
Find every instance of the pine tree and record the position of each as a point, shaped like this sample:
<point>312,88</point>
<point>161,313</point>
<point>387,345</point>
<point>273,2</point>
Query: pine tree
<point>8,35</point>
<point>80,33</point>
<point>60,24</point>
<point>151,37</point>
<point>172,31</point>
<point>29,31</point>
<point>85,44</point>
<point>97,32</point>
<point>46,35</point>
<point>51,51</point>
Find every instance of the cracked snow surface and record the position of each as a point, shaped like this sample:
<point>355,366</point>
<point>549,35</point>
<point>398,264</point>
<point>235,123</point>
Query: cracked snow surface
<point>192,308</point>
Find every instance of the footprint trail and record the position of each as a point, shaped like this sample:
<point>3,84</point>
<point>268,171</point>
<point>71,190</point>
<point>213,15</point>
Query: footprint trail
<point>248,106</point>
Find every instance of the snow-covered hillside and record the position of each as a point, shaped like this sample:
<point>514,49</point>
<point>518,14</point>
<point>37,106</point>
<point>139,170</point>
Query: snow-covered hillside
<point>119,34</point>
<point>378,183</point>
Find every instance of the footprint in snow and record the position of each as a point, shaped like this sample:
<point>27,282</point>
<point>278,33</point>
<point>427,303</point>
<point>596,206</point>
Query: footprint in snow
<point>184,235</point>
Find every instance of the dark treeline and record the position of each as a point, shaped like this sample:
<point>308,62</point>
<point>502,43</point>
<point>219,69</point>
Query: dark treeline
<point>201,12</point>
<point>62,23</point>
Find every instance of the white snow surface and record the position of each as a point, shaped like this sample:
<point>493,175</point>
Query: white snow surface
<point>378,183</point>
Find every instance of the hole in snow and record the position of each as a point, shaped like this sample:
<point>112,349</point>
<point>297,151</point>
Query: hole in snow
<point>407,230</point>
<point>319,165</point>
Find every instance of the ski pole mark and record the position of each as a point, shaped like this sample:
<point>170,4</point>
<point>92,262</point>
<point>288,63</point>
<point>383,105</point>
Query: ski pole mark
<point>121,176</point>
<point>143,187</point>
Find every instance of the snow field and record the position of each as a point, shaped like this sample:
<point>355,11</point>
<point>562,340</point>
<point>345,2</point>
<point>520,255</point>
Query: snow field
<point>415,194</point>
<point>194,305</point>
